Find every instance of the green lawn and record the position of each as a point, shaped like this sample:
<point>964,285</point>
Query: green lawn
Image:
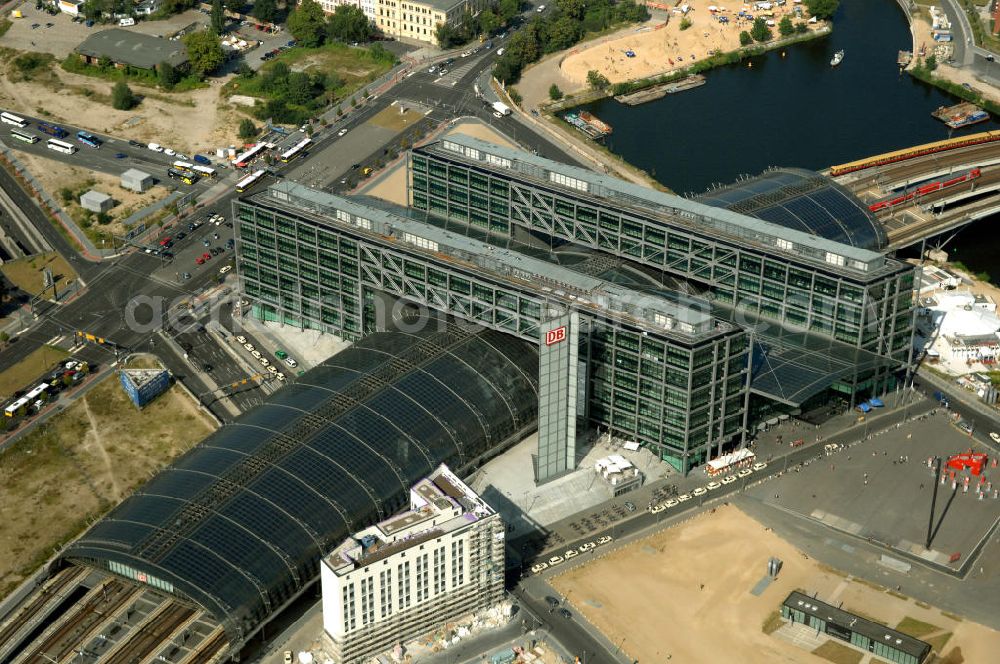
<point>918,629</point>
<point>28,370</point>
<point>838,653</point>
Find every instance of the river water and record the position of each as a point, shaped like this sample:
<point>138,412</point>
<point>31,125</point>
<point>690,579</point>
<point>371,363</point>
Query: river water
<point>792,108</point>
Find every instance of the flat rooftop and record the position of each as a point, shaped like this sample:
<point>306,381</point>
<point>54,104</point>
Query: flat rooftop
<point>654,313</point>
<point>772,237</point>
<point>440,503</point>
<point>133,48</point>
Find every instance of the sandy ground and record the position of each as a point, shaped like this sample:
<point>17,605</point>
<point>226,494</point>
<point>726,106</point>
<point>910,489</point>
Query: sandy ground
<point>82,462</point>
<point>661,47</point>
<point>697,577</point>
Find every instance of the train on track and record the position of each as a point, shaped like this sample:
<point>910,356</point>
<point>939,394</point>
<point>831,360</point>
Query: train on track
<point>916,151</point>
<point>923,190</point>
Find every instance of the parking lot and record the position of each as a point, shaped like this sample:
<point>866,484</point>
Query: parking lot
<point>882,490</point>
<point>60,39</point>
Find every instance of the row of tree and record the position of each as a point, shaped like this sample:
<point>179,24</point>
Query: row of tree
<point>486,23</point>
<point>561,29</point>
<point>311,27</point>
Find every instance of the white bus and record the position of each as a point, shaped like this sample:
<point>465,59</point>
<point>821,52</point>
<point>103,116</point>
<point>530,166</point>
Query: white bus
<point>22,135</point>
<point>59,146</point>
<point>183,166</point>
<point>249,181</point>
<point>296,150</point>
<point>204,170</point>
<point>11,119</point>
<point>243,160</point>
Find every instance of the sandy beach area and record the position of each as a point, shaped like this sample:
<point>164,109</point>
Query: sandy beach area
<point>661,46</point>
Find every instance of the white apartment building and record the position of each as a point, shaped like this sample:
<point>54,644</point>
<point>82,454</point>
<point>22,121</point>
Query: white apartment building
<point>418,19</point>
<point>439,560</point>
<point>367,6</point>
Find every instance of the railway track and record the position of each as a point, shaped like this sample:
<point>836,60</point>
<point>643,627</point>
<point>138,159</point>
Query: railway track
<point>64,579</point>
<point>210,650</point>
<point>63,641</point>
<point>150,636</point>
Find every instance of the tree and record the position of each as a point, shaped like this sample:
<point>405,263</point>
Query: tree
<point>597,80</point>
<point>204,51</point>
<point>685,23</point>
<point>446,35</point>
<point>801,27</point>
<point>488,22</point>
<point>168,75</point>
<point>307,24</point>
<point>760,32</point>
<point>300,88</point>
<point>247,129</point>
<point>930,64</point>
<point>122,97</point>
<point>563,33</point>
<point>785,26</point>
<point>4,337</point>
<point>508,9</point>
<point>245,71</point>
<point>555,94</point>
<point>745,38</point>
<point>218,19</point>
<point>265,10</point>
<point>348,23</point>
<point>822,8</point>
<point>235,6</point>
<point>572,8</point>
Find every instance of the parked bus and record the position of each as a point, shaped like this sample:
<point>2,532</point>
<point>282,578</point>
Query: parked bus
<point>23,135</point>
<point>59,146</point>
<point>243,160</point>
<point>11,119</point>
<point>296,150</point>
<point>203,170</point>
<point>52,130</point>
<point>88,139</point>
<point>183,166</point>
<point>249,181</point>
<point>185,177</point>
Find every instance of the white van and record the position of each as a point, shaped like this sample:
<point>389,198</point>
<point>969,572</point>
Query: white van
<point>540,9</point>
<point>500,51</point>
<point>155,147</point>
<point>126,22</point>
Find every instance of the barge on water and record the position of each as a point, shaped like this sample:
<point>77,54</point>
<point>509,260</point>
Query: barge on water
<point>588,123</point>
<point>661,90</point>
<point>961,115</point>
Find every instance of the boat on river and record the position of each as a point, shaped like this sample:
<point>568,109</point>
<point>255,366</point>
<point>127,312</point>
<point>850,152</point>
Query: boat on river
<point>837,58</point>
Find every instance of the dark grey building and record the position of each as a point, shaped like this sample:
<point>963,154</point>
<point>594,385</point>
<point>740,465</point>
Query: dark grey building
<point>134,49</point>
<point>651,366</point>
<point>883,642</point>
<point>789,255</point>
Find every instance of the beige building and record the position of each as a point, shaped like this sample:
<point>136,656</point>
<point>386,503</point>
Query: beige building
<point>438,561</point>
<point>418,20</point>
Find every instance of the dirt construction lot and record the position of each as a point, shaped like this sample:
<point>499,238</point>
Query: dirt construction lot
<point>81,463</point>
<point>699,591</point>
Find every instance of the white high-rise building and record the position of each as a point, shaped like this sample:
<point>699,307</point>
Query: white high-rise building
<point>441,559</point>
<point>367,6</point>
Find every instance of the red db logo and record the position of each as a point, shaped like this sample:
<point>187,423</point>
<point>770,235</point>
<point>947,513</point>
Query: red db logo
<point>555,336</point>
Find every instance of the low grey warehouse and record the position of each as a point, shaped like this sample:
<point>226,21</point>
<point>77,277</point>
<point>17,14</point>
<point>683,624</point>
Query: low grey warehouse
<point>136,180</point>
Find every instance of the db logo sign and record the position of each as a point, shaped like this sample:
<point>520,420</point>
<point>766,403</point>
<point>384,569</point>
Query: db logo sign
<point>555,336</point>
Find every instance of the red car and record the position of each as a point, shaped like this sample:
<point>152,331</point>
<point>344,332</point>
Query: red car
<point>206,256</point>
<point>199,260</point>
<point>165,241</point>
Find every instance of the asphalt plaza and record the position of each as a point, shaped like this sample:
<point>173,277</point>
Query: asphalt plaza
<point>881,490</point>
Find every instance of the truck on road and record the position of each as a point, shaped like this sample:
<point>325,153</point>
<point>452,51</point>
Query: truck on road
<point>501,108</point>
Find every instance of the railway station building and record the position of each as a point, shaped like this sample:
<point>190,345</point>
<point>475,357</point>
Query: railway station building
<point>654,366</point>
<point>235,529</point>
<point>790,255</point>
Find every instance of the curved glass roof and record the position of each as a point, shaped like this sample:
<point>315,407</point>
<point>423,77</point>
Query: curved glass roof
<point>239,523</point>
<point>805,201</point>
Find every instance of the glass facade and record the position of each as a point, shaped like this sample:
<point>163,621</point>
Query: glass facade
<point>868,308</point>
<point>683,395</point>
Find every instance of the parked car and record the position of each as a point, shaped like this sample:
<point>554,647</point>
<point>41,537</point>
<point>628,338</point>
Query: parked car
<point>241,339</point>
<point>744,472</point>
<point>712,486</point>
<point>759,466</point>
<point>290,362</point>
<point>225,268</point>
<point>342,131</point>
<point>120,155</point>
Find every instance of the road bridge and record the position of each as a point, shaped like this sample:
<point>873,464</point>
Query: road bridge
<point>930,189</point>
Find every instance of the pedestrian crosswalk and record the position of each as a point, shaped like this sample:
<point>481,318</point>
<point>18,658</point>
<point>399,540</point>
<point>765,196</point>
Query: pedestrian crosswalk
<point>455,74</point>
